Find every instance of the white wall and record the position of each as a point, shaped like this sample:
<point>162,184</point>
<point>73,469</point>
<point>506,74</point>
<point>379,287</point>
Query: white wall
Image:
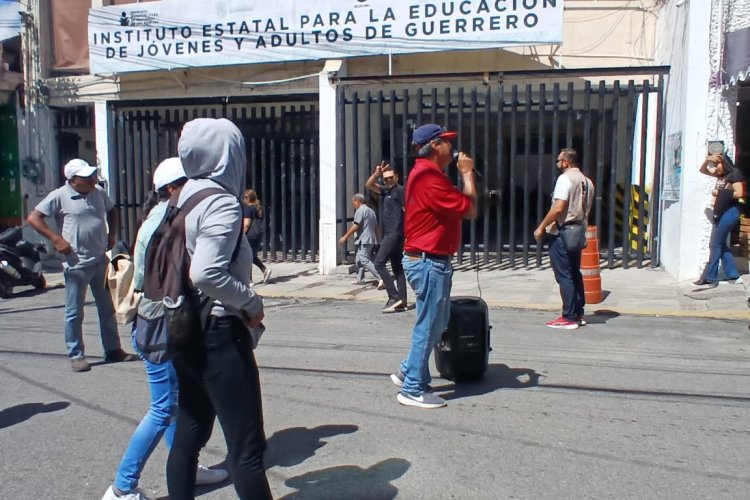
<point>682,42</point>
<point>328,239</point>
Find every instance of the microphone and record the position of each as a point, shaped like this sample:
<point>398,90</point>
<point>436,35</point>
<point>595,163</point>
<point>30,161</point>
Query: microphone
<point>477,173</point>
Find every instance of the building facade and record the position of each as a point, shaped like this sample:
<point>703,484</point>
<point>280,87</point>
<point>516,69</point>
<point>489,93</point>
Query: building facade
<point>707,101</point>
<point>604,79</point>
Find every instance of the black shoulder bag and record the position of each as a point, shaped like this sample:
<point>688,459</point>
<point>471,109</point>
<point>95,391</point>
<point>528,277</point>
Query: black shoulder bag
<point>573,233</point>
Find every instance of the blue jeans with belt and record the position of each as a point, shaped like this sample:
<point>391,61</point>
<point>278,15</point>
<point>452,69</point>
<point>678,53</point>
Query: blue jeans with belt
<point>719,248</point>
<point>76,282</point>
<point>431,279</point>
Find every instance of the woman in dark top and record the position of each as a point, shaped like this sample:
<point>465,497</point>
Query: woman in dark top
<point>252,224</point>
<point>728,193</point>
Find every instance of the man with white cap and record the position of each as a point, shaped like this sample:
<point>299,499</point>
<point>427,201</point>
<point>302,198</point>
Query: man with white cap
<point>88,222</point>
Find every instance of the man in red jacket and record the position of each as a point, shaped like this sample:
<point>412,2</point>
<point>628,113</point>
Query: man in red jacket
<point>432,227</point>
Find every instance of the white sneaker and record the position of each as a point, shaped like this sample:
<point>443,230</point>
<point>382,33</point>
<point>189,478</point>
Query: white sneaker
<point>266,275</point>
<point>136,494</point>
<point>204,475</point>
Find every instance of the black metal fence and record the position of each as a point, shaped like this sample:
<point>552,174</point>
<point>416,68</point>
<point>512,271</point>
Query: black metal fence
<point>514,132</point>
<point>282,154</point>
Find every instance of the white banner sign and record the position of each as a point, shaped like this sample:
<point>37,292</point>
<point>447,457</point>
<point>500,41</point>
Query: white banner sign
<point>184,33</point>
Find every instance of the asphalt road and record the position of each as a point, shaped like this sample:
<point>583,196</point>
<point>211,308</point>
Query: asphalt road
<point>627,407</point>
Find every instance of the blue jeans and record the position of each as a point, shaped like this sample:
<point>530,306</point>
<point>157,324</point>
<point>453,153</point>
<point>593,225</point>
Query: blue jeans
<point>431,281</point>
<point>719,248</point>
<point>158,422</point>
<point>567,268</point>
<point>76,281</point>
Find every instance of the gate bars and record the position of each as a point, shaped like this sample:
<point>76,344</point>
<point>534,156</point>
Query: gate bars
<point>514,132</point>
<point>282,155</point>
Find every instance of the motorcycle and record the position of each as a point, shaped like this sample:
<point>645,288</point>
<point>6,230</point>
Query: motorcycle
<point>20,262</point>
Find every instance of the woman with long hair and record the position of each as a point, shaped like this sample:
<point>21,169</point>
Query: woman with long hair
<point>252,225</point>
<point>728,194</point>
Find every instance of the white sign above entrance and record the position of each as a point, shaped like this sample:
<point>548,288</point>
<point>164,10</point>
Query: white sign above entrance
<point>187,33</point>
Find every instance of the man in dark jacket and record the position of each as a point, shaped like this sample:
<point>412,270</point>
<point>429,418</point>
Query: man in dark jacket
<point>391,203</point>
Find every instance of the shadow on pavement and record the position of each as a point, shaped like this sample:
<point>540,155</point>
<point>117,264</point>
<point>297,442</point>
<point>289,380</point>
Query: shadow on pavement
<point>497,377</point>
<point>30,309</point>
<point>33,292</point>
<point>283,278</point>
<point>345,482</point>
<point>601,316</point>
<point>290,447</point>
<point>287,448</point>
<point>20,413</point>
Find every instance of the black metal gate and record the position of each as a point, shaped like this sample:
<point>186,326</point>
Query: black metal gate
<point>70,122</point>
<point>282,154</point>
<point>514,131</point>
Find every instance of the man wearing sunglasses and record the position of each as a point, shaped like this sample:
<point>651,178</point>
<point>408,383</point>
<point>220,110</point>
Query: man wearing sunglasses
<point>391,204</point>
<point>432,226</point>
<point>88,223</point>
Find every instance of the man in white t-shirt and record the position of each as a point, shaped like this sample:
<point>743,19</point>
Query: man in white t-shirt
<point>571,202</point>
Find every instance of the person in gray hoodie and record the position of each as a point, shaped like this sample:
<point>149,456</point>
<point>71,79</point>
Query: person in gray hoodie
<point>218,376</point>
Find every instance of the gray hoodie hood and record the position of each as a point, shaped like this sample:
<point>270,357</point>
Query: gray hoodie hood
<point>211,148</point>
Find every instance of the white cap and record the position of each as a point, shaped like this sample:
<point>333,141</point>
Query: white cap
<point>78,168</point>
<point>167,172</point>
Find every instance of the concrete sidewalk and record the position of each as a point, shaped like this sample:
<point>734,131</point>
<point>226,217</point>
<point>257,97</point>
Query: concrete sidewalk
<point>633,291</point>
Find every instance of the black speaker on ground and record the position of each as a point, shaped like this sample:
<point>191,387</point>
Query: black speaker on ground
<point>464,349</point>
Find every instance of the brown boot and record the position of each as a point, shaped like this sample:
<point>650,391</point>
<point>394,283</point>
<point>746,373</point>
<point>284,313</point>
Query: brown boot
<point>80,365</point>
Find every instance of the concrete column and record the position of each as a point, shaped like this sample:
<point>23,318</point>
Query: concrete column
<point>328,160</point>
<point>102,134</point>
<point>695,228</point>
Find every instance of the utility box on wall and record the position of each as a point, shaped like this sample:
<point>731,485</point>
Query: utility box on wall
<point>10,182</point>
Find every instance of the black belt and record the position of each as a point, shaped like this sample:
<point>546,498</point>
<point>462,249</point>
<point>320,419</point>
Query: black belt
<point>419,255</point>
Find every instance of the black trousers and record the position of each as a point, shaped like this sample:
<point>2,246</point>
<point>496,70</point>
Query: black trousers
<point>254,244</point>
<point>218,377</point>
<point>391,249</point>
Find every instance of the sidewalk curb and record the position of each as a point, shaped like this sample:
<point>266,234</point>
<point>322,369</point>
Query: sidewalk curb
<point>352,295</point>
<point>718,314</point>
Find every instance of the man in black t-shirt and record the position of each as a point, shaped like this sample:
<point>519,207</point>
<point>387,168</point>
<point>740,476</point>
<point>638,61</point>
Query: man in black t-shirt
<point>391,214</point>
